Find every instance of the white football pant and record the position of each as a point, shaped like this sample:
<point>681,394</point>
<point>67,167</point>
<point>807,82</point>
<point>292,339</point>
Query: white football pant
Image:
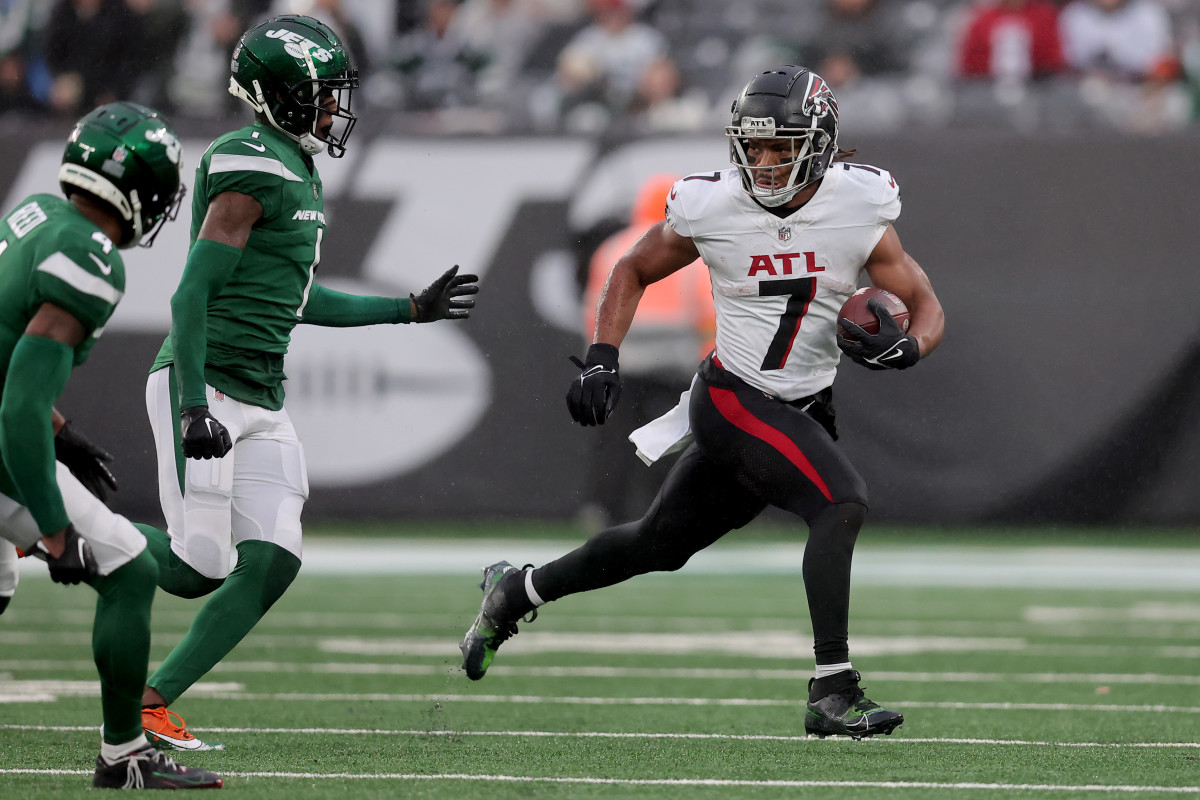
<point>113,539</point>
<point>255,493</point>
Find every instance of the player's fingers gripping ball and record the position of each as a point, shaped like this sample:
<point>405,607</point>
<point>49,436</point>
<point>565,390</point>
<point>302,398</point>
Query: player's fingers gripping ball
<point>872,328</point>
<point>594,392</point>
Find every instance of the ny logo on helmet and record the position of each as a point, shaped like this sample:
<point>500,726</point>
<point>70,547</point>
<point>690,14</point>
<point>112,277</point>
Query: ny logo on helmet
<point>297,46</point>
<point>819,99</point>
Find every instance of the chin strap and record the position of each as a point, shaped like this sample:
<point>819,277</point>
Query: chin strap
<point>311,145</point>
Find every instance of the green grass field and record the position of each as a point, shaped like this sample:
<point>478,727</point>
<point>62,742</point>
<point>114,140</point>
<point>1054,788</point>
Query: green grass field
<point>688,685</point>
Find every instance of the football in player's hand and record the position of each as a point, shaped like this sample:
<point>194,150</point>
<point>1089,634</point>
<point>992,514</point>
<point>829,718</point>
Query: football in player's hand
<point>856,311</point>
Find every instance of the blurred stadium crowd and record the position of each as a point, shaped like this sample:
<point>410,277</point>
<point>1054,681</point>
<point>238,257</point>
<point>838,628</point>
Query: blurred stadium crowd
<point>638,66</point>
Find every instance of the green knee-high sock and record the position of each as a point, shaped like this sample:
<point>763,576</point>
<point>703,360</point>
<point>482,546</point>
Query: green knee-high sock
<point>121,644</point>
<point>262,574</point>
<point>174,575</point>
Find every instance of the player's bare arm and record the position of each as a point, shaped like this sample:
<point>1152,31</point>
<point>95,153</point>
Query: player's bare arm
<point>230,217</point>
<point>660,252</point>
<point>891,268</point>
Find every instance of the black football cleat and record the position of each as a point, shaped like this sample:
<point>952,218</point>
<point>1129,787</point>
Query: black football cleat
<point>149,769</point>
<point>838,707</point>
<point>494,625</point>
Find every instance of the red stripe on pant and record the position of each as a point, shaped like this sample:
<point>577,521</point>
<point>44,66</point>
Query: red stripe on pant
<point>732,410</point>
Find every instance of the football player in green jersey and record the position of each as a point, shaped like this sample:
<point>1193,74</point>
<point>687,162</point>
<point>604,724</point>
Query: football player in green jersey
<point>61,277</point>
<point>231,470</point>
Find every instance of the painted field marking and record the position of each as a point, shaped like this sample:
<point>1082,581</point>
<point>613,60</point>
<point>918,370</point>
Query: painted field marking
<point>298,697</point>
<point>1005,787</point>
<point>1139,612</point>
<point>698,673</point>
<point>734,737</point>
<point>914,565</point>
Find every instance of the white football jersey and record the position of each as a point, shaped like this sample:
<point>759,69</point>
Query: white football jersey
<point>779,283</point>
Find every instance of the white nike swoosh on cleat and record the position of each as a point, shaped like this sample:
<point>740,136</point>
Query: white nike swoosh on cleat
<point>183,744</point>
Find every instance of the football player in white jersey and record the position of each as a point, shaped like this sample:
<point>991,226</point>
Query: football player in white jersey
<point>785,233</point>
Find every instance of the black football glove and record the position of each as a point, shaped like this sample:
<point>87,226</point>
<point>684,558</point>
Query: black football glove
<point>85,460</point>
<point>445,298</point>
<point>888,349</point>
<point>202,436</point>
<point>76,562</point>
<point>594,392</point>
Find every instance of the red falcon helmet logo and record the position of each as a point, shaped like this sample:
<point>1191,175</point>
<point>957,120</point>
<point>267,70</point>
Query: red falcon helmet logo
<point>819,99</point>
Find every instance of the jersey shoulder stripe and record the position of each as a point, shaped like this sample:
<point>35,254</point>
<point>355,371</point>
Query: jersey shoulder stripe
<point>62,267</point>
<point>230,162</point>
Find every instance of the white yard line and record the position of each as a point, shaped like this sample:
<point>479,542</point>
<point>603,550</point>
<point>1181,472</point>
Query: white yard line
<point>695,673</point>
<point>748,737</point>
<point>667,701</point>
<point>917,565</point>
<point>15,694</point>
<point>926,785</point>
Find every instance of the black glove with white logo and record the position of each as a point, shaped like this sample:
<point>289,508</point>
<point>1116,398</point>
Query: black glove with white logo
<point>446,297</point>
<point>594,393</point>
<point>76,562</point>
<point>888,349</point>
<point>202,436</point>
<point>85,460</point>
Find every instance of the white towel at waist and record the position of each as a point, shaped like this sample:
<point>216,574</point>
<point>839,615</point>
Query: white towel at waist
<point>667,434</point>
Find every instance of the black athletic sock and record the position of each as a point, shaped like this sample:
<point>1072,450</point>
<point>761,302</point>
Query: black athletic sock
<point>616,554</point>
<point>827,558</point>
<point>516,600</point>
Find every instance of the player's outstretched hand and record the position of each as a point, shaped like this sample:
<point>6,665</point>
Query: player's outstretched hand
<point>447,297</point>
<point>85,460</point>
<point>594,392</point>
<point>888,349</point>
<point>76,562</point>
<point>202,436</point>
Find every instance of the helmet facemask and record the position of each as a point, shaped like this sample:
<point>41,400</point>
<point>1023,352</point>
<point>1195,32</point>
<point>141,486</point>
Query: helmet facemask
<point>809,148</point>
<point>150,221</point>
<point>297,111</point>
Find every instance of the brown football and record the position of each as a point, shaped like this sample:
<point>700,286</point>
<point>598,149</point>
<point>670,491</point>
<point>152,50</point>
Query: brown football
<point>857,312</point>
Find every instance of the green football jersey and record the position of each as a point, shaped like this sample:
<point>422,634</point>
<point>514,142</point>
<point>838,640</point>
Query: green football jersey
<point>51,253</point>
<point>250,321</point>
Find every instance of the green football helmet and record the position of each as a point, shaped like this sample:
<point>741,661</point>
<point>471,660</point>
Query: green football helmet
<point>285,69</point>
<point>127,156</point>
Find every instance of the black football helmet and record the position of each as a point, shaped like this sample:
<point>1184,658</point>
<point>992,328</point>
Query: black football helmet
<point>785,102</point>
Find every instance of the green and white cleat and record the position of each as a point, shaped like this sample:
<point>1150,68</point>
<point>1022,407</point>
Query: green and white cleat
<point>842,709</point>
<point>494,625</point>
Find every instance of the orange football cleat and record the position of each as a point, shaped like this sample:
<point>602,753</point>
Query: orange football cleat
<point>166,730</point>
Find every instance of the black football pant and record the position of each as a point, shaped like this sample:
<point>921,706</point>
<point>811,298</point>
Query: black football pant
<point>751,450</point>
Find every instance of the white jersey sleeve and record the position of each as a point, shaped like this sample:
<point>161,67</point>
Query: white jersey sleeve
<point>779,282</point>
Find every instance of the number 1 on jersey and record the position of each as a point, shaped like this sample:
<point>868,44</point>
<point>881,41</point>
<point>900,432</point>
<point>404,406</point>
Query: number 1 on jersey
<point>312,273</point>
<point>800,293</point>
